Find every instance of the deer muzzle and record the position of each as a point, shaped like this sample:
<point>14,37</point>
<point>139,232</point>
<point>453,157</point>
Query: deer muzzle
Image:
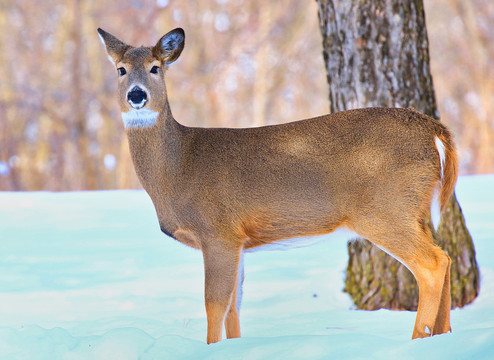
<point>137,97</point>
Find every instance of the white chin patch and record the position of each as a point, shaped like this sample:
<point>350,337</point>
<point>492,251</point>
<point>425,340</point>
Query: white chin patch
<point>139,118</point>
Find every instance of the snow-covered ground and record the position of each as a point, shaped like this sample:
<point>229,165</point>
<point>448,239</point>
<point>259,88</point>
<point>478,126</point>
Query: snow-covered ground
<point>89,275</point>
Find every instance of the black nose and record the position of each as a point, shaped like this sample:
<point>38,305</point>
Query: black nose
<point>136,96</point>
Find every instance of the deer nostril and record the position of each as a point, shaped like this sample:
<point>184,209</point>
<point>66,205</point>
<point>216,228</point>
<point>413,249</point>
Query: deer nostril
<point>136,96</point>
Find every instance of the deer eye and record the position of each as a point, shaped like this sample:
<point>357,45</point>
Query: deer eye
<point>121,71</point>
<point>154,69</point>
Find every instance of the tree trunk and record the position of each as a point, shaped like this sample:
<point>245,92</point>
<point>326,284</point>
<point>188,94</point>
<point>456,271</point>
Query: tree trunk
<point>377,54</point>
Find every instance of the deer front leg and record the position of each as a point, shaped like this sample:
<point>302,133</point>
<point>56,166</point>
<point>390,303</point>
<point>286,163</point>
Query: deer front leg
<point>232,323</point>
<point>221,261</point>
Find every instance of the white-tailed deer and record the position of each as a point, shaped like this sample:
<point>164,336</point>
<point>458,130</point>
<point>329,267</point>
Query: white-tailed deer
<point>373,171</point>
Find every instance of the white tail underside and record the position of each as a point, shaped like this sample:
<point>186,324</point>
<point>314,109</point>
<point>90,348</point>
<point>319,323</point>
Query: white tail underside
<point>442,154</point>
<point>435,207</point>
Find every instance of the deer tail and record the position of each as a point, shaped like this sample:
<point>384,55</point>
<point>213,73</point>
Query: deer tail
<point>449,162</point>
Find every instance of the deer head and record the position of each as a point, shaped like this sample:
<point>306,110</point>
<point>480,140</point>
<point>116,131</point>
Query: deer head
<point>141,75</point>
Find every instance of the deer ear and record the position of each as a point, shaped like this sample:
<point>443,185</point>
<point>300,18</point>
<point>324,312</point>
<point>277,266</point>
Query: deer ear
<point>170,46</point>
<point>114,47</point>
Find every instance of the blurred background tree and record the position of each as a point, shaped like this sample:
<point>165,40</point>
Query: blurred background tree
<point>246,63</point>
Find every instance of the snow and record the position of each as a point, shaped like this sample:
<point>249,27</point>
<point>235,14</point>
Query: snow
<point>89,275</point>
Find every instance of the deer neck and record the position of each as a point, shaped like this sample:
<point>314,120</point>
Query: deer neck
<point>155,148</point>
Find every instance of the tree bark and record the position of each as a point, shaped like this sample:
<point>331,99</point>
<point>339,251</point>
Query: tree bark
<point>377,54</point>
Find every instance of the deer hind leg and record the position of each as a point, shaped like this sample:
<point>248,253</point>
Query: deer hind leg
<point>413,246</point>
<point>232,323</point>
<point>442,324</point>
<point>221,262</point>
<point>442,277</point>
<point>434,296</point>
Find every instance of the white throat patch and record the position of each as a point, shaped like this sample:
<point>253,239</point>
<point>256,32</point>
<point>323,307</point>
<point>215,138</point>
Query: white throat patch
<point>139,118</point>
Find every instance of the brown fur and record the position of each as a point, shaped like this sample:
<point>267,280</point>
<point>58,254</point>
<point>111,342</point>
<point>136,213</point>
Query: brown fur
<point>223,190</point>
